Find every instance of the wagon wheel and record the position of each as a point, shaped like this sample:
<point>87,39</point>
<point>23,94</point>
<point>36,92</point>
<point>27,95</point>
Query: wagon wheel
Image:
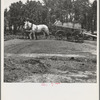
<point>69,35</point>
<point>81,38</point>
<point>75,36</point>
<point>90,38</point>
<point>59,34</point>
<point>78,36</point>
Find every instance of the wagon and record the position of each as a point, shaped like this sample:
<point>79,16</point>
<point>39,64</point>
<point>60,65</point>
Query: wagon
<point>68,31</point>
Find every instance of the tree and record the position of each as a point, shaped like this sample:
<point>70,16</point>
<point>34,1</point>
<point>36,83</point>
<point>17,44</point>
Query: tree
<point>76,11</point>
<point>16,15</point>
<point>94,19</point>
<point>6,20</point>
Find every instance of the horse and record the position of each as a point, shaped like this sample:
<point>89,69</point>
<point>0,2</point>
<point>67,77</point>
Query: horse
<point>36,29</point>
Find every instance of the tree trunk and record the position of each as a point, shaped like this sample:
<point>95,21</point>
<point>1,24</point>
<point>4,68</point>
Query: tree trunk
<point>15,29</point>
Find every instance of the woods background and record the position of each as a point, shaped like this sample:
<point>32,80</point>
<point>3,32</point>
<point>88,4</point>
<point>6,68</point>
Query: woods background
<point>76,11</point>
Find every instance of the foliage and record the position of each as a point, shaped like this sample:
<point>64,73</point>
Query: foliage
<point>76,11</point>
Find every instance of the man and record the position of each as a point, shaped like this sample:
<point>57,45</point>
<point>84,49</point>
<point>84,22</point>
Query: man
<point>58,22</point>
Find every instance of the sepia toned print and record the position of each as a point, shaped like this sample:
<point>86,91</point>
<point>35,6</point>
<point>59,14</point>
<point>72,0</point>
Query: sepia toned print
<point>50,41</point>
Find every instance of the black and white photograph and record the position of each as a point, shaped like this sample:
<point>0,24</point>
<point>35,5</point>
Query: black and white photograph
<point>50,41</point>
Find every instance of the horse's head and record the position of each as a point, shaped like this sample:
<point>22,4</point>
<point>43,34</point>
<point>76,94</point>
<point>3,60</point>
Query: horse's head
<point>27,25</point>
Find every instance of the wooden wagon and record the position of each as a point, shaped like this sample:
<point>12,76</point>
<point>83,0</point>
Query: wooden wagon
<point>71,32</point>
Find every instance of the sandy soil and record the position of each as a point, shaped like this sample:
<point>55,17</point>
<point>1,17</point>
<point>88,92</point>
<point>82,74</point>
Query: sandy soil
<point>18,46</point>
<point>49,61</point>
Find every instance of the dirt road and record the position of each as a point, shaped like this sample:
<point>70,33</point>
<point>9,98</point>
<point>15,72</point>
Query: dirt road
<point>49,61</point>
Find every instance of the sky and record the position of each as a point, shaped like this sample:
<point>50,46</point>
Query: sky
<point>7,3</point>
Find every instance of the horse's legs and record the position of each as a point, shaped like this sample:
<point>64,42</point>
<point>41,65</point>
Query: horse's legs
<point>34,35</point>
<point>47,33</point>
<point>27,35</point>
<point>44,33</point>
<point>30,35</point>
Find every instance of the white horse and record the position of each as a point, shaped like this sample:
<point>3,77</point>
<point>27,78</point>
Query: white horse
<point>36,29</point>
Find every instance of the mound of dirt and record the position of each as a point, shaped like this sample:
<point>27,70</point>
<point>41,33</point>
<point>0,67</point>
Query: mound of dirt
<point>18,69</point>
<point>49,69</point>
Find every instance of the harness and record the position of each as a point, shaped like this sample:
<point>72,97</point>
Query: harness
<point>29,27</point>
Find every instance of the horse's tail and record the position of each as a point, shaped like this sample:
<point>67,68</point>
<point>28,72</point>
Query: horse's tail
<point>47,30</point>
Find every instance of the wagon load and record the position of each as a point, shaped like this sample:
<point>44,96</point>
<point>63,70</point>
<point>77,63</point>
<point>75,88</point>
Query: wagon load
<point>71,25</point>
<point>68,25</point>
<point>77,26</point>
<point>69,31</point>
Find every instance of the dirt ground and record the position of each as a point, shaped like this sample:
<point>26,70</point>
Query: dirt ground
<point>49,61</point>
